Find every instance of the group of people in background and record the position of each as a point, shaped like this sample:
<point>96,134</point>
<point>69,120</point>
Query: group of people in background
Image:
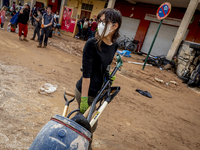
<point>87,28</point>
<point>45,23</point>
<point>12,11</point>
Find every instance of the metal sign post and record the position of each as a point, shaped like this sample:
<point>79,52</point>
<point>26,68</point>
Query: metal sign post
<point>162,12</point>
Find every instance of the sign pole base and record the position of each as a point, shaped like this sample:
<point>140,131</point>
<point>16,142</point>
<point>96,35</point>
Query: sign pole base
<point>152,44</point>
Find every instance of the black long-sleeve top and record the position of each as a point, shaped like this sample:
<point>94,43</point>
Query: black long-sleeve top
<point>94,63</point>
<point>23,18</point>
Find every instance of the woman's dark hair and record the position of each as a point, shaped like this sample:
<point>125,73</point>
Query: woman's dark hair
<point>87,19</point>
<point>113,16</point>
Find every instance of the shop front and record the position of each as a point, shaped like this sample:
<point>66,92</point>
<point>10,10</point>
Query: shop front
<point>140,23</point>
<point>68,21</point>
<point>76,10</point>
<point>165,36</point>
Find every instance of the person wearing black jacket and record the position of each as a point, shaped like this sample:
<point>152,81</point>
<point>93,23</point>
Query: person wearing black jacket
<point>79,24</point>
<point>33,13</point>
<point>23,22</point>
<point>98,54</point>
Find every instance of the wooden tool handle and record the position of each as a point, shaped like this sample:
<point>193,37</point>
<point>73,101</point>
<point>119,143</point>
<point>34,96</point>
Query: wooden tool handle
<point>70,93</point>
<point>87,112</point>
<point>65,111</point>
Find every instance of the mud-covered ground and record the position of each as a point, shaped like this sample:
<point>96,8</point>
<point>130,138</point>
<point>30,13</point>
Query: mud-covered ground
<point>170,120</point>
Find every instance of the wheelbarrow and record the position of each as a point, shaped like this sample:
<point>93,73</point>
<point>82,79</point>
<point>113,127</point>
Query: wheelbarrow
<point>63,133</point>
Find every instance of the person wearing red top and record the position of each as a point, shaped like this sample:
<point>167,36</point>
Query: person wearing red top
<point>93,29</point>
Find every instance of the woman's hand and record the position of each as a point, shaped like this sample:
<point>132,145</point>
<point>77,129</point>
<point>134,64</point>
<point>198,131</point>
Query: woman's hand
<point>113,78</point>
<point>21,11</point>
<point>84,104</point>
<point>84,95</point>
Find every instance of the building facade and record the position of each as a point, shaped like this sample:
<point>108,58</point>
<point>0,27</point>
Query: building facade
<point>71,11</point>
<point>76,10</point>
<point>38,3</point>
<point>140,23</point>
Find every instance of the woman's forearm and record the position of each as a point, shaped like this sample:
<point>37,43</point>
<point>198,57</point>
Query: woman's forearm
<point>85,87</point>
<point>38,20</point>
<point>55,20</point>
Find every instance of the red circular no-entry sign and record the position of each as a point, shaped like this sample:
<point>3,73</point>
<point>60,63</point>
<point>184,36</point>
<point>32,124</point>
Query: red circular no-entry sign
<point>163,11</point>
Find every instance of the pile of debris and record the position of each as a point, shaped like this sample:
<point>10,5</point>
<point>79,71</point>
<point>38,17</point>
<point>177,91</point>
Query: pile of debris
<point>188,68</point>
<point>186,64</point>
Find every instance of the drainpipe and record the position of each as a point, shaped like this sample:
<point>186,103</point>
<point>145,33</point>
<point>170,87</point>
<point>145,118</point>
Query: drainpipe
<point>111,4</point>
<point>33,2</point>
<point>1,3</point>
<point>63,3</point>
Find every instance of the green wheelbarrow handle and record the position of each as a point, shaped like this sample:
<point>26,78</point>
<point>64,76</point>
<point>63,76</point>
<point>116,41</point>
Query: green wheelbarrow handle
<point>119,61</point>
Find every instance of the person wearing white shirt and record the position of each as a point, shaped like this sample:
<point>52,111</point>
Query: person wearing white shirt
<point>56,24</point>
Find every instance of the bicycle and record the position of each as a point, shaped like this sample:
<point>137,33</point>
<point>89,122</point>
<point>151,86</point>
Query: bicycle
<point>160,61</point>
<point>127,44</point>
<point>122,41</point>
<point>132,45</point>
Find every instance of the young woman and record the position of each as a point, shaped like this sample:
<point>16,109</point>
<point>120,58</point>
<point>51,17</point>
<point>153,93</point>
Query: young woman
<point>56,23</point>
<point>3,16</point>
<point>98,54</point>
<point>38,22</point>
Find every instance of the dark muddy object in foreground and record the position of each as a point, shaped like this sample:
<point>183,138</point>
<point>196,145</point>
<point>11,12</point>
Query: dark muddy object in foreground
<point>145,93</point>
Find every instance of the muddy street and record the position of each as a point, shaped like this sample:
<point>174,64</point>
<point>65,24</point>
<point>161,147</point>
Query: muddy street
<point>170,120</point>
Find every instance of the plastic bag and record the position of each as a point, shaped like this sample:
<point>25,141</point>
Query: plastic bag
<point>125,53</point>
<point>8,28</point>
<point>47,88</point>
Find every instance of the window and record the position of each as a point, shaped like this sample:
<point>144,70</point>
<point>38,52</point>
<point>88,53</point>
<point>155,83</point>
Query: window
<point>74,13</point>
<point>87,6</point>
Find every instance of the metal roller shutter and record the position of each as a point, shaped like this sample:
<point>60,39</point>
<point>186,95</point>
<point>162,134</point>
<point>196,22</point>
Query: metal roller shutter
<point>163,41</point>
<point>129,27</point>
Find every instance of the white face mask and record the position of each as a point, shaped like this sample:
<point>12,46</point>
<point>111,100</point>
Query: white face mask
<point>101,28</point>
